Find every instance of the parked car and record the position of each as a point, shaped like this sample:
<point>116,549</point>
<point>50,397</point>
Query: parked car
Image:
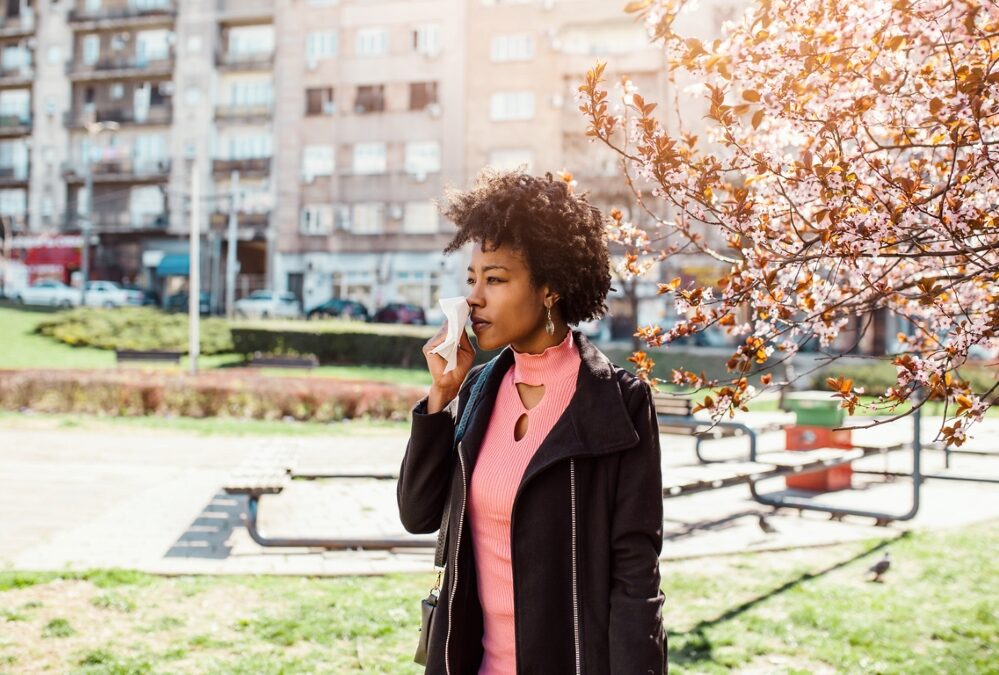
<point>48,292</point>
<point>341,309</point>
<point>110,294</point>
<point>150,298</point>
<point>178,302</point>
<point>401,312</point>
<point>267,304</point>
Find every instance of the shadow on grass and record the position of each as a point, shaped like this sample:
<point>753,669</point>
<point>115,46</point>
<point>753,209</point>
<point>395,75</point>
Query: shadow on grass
<point>697,647</point>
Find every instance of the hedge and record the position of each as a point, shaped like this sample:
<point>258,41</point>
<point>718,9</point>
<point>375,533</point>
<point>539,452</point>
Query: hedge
<point>234,393</point>
<point>339,342</point>
<point>141,328</point>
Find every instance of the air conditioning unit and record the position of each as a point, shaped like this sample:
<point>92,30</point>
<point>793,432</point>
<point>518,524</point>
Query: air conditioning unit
<point>166,88</point>
<point>420,177</point>
<point>395,211</point>
<point>329,108</point>
<point>311,65</point>
<point>434,109</point>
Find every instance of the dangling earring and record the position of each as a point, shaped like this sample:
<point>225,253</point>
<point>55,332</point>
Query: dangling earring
<point>550,325</point>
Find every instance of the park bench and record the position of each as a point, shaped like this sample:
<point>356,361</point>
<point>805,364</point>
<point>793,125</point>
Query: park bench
<point>676,416</point>
<point>147,356</point>
<point>304,361</point>
<point>269,471</point>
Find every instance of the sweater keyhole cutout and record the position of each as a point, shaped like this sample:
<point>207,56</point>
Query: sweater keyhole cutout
<point>530,395</point>
<point>520,429</point>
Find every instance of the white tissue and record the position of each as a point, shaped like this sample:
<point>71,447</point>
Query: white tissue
<point>456,310</point>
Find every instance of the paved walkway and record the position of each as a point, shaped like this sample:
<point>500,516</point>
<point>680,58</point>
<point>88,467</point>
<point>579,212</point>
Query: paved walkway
<point>152,500</point>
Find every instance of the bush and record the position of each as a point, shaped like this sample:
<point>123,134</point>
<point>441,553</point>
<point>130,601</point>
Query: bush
<point>876,376</point>
<point>339,342</point>
<point>212,394</point>
<point>139,328</point>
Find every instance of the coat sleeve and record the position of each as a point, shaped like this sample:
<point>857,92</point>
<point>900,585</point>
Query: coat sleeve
<point>637,636</point>
<point>427,466</point>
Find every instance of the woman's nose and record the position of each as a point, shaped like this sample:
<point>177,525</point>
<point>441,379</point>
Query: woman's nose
<point>474,297</point>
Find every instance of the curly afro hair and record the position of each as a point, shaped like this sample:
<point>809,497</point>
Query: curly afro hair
<point>560,235</point>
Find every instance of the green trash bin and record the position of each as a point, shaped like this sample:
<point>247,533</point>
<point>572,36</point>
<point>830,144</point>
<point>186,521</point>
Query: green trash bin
<point>815,409</point>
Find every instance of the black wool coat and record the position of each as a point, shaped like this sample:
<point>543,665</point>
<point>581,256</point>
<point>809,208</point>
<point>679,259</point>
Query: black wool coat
<point>586,529</point>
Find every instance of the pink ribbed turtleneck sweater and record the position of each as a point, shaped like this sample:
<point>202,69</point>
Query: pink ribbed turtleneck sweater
<point>495,479</point>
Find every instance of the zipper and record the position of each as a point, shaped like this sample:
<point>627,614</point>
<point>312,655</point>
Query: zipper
<point>454,564</point>
<point>575,600</point>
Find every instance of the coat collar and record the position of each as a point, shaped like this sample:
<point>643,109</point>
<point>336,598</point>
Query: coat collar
<point>596,422</point>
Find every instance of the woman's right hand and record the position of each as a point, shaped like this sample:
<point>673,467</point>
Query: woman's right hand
<point>445,386</point>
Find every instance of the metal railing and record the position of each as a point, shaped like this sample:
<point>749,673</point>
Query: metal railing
<point>154,115</point>
<point>132,10</point>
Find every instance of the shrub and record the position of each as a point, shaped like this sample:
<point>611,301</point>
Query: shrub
<point>140,328</point>
<point>339,342</point>
<point>235,393</point>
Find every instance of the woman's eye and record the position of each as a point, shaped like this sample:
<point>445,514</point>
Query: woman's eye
<point>470,282</point>
<point>493,279</point>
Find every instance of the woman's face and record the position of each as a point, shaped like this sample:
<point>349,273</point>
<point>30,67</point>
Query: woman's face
<point>506,307</point>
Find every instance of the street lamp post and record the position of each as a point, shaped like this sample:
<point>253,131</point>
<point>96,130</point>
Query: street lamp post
<point>93,129</point>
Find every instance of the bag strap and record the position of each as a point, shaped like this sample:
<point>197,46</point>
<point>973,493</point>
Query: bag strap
<point>459,433</point>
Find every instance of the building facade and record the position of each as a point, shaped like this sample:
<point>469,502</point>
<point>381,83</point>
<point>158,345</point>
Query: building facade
<point>328,127</point>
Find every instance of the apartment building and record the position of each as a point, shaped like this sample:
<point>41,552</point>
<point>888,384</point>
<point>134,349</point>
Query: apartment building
<point>327,126</point>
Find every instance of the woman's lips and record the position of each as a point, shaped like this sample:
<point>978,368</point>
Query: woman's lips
<point>480,325</point>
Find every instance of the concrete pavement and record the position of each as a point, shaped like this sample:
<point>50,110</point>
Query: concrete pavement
<point>152,500</point>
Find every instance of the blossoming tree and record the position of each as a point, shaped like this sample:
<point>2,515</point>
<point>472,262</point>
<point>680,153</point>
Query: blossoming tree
<point>851,165</point>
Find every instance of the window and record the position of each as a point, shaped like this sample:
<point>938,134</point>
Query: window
<point>15,57</point>
<point>146,204</point>
<point>251,40</point>
<point>322,44</point>
<point>152,45</point>
<point>427,39</point>
<point>511,105</point>
<point>91,49</point>
<point>420,218</point>
<point>317,219</point>
<point>16,103</point>
<point>14,159</point>
<point>13,202</point>
<point>423,157</point>
<point>422,94</point>
<point>369,158</point>
<point>246,146</point>
<point>369,218</point>
<point>341,217</point>
<point>370,99</point>
<point>371,42</point>
<point>319,101</point>
<point>509,160</point>
<point>251,93</point>
<point>148,151</point>
<point>117,91</point>
<point>518,47</point>
<point>317,160</point>
<point>53,54</point>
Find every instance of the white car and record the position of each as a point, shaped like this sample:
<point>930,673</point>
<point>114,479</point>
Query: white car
<point>268,304</point>
<point>48,292</point>
<point>109,294</point>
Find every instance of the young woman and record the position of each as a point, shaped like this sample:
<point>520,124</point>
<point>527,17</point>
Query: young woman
<point>556,510</point>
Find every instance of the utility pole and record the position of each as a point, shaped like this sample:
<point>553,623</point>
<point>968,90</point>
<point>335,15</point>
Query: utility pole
<point>194,272</point>
<point>93,129</point>
<point>230,258</point>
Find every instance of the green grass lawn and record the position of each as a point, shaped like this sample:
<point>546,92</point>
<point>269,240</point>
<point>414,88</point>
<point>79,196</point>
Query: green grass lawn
<point>804,611</point>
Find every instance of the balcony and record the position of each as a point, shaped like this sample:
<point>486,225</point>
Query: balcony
<point>256,220</point>
<point>254,167</point>
<point>134,13</point>
<point>155,115</point>
<point>14,176</point>
<point>229,61</point>
<point>15,125</point>
<point>18,76</point>
<point>117,221</point>
<point>244,11</point>
<point>119,171</point>
<point>17,26</point>
<point>245,114</point>
<point>119,67</point>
